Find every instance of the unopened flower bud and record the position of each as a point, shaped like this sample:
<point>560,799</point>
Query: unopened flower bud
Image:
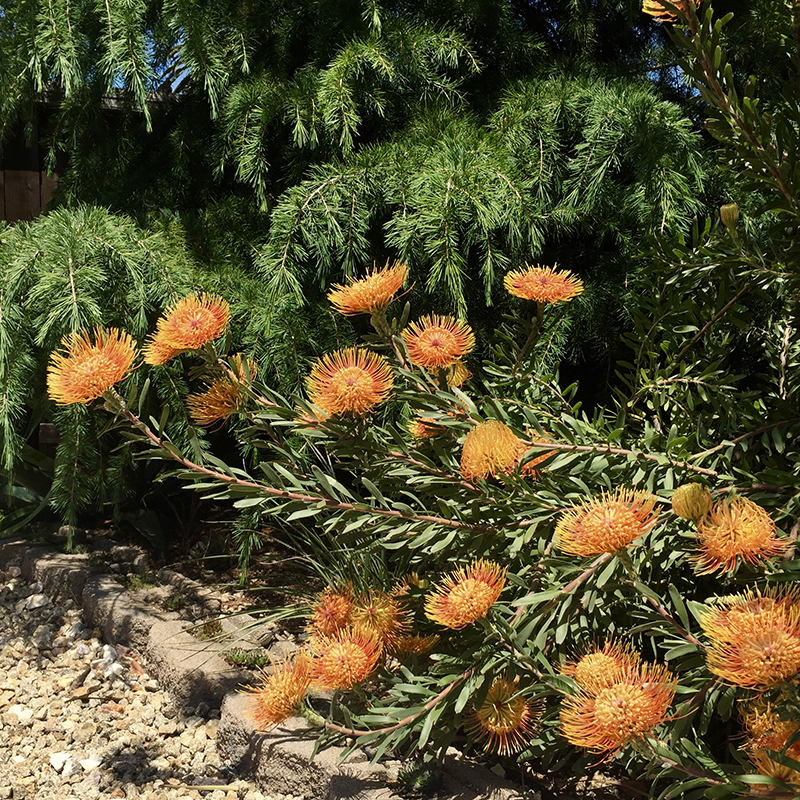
<point>729,214</point>
<point>691,501</point>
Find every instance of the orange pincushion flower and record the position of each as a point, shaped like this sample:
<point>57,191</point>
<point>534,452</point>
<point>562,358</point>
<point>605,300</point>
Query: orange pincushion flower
<point>438,342</point>
<point>766,730</point>
<point>244,368</point>
<point>344,658</point>
<point>691,501</point>
<point>505,721</point>
<point>609,718</point>
<point>280,692</point>
<point>331,612</point>
<point>414,644</point>
<point>755,640</point>
<point>607,523</point>
<point>656,9</point>
<point>222,398</point>
<point>735,529</point>
<point>602,667</point>
<point>351,381</point>
<point>379,615</point>
<point>87,370</point>
<point>187,324</point>
<point>543,284</point>
<point>424,428</point>
<point>467,595</point>
<point>370,294</point>
<point>457,374</point>
<point>492,448</point>
<point>768,766</point>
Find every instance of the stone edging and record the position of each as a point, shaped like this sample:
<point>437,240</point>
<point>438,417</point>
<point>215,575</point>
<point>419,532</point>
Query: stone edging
<point>279,760</point>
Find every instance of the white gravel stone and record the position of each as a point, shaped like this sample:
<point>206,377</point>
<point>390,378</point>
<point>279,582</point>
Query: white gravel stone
<point>88,764</point>
<point>58,760</point>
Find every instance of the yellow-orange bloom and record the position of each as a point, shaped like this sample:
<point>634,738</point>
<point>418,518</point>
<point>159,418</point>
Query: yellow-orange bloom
<point>505,721</point>
<point>222,398</point>
<point>351,381</point>
<point>188,324</point>
<point>755,639</point>
<point>768,766</point>
<point>424,428</point>
<point>280,692</point>
<point>543,284</point>
<point>467,594</point>
<point>605,720</point>
<point>492,448</point>
<point>345,658</point>
<point>371,294</point>
<point>458,374</point>
<point>414,644</point>
<point>244,368</point>
<point>766,730</point>
<point>602,667</point>
<point>438,342</point>
<point>735,529</point>
<point>88,369</point>
<point>656,9</point>
<point>379,615</point>
<point>331,611</point>
<point>691,501</point>
<point>607,523</point>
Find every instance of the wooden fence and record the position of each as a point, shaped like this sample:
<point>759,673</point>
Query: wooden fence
<point>25,186</point>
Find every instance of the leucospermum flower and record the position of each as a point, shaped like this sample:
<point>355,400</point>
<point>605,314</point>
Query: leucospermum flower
<point>766,730</point>
<point>467,595</point>
<point>224,396</point>
<point>607,523</point>
<point>505,721</point>
<point>438,342</point>
<point>755,640</point>
<point>245,369</point>
<point>188,324</point>
<point>491,448</point>
<point>343,659</point>
<point>543,284</point>
<point>772,769</point>
<point>331,611</point>
<point>602,667</point>
<point>414,644</point>
<point>371,294</point>
<point>424,428</point>
<point>732,530</point>
<point>457,374</point>
<point>351,381</point>
<point>278,696</point>
<point>691,501</point>
<point>379,615</point>
<point>219,401</point>
<point>605,720</point>
<point>87,369</point>
<point>656,9</point>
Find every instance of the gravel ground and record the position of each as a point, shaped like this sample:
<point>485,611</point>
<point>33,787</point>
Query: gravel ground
<point>80,719</point>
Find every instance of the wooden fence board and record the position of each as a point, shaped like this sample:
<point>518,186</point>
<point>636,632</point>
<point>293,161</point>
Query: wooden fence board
<point>23,198</point>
